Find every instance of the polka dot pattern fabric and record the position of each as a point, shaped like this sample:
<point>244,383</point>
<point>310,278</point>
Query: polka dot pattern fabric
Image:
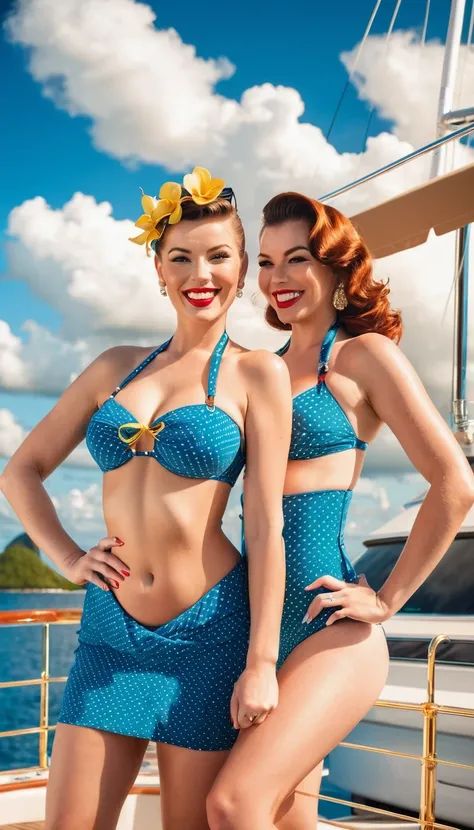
<point>171,684</point>
<point>197,441</point>
<point>314,521</point>
<point>314,545</point>
<point>320,425</point>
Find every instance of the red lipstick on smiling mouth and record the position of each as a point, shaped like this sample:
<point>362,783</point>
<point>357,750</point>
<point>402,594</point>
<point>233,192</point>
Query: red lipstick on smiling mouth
<point>201,297</point>
<point>285,298</point>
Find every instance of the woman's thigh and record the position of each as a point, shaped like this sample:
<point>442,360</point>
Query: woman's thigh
<point>186,777</point>
<point>90,777</point>
<point>327,684</point>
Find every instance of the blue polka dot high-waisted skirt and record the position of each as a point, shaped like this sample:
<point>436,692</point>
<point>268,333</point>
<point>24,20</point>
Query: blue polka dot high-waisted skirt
<point>171,684</point>
<point>314,546</point>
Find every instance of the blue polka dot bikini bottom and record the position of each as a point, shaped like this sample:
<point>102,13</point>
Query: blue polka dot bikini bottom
<point>314,545</point>
<point>171,684</point>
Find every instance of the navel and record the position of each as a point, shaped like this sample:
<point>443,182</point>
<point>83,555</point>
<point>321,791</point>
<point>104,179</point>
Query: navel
<point>148,580</point>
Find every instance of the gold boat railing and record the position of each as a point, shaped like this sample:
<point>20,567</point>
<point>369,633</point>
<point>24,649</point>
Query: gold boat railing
<point>429,710</point>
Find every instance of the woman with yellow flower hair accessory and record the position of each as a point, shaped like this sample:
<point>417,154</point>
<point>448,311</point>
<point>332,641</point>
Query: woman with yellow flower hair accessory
<point>179,635</point>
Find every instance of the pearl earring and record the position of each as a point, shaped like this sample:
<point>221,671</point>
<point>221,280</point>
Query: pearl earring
<point>163,291</point>
<point>240,293</point>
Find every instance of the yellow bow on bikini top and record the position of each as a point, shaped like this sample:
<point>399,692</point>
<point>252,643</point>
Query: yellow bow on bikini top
<point>131,433</point>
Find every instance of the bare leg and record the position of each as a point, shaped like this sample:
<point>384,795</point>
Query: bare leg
<point>186,777</point>
<point>327,685</point>
<point>91,775</point>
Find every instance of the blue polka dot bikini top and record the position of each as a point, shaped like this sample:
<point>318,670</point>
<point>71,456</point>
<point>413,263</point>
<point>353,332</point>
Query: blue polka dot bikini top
<point>320,425</point>
<point>196,441</point>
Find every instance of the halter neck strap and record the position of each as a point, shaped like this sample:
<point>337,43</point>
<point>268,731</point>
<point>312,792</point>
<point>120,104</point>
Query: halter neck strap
<point>216,359</point>
<point>324,354</point>
<point>326,347</point>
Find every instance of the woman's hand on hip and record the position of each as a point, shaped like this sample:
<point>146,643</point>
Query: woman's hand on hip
<point>355,600</point>
<point>255,696</point>
<point>98,565</point>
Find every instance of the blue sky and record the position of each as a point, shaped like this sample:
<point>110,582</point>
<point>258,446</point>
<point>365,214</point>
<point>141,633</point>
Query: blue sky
<point>49,153</point>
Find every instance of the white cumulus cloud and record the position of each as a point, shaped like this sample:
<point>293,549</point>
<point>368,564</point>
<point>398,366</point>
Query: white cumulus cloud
<point>104,59</point>
<point>402,80</point>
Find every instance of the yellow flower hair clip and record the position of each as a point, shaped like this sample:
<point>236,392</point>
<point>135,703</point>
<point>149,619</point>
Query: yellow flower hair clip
<point>158,214</point>
<point>202,188</point>
<point>168,207</point>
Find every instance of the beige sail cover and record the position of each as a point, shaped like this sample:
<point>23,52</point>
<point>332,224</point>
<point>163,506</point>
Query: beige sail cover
<point>442,204</point>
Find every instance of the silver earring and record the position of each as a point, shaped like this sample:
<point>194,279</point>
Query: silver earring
<point>339,299</point>
<point>240,293</point>
<point>163,291</point>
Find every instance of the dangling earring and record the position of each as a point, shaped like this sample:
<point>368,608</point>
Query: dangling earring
<point>240,293</point>
<point>339,299</point>
<point>163,291</point>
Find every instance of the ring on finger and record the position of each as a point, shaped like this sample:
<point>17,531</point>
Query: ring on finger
<point>330,597</point>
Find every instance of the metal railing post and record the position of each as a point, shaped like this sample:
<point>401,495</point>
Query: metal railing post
<point>44,700</point>
<point>429,762</point>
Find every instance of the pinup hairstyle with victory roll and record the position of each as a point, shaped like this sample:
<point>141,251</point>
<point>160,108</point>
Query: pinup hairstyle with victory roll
<point>335,242</point>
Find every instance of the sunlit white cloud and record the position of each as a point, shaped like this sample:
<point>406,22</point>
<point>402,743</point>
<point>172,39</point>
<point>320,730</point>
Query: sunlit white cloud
<point>402,80</point>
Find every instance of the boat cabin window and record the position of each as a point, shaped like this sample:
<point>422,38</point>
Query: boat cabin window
<point>449,589</point>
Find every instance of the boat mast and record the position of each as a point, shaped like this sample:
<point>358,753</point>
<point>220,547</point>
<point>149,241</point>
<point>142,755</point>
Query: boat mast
<point>463,425</point>
<point>448,81</point>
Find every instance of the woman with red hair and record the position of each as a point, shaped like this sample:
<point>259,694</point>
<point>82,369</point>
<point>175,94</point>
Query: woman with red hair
<point>348,378</point>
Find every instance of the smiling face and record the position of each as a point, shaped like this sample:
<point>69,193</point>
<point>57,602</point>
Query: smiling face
<point>201,265</point>
<point>293,281</point>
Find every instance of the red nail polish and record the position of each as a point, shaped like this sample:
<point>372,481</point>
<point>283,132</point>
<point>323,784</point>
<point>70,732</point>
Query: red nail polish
<point>125,573</point>
<point>119,541</point>
<point>115,583</point>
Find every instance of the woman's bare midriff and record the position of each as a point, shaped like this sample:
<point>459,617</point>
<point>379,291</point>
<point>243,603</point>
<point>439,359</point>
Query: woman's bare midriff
<point>174,545</point>
<point>336,471</point>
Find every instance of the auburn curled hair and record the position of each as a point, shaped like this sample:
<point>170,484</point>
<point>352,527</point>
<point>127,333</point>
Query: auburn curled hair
<point>193,212</point>
<point>335,242</point>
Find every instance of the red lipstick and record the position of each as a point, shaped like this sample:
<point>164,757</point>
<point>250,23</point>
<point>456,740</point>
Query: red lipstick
<point>285,298</point>
<point>208,295</point>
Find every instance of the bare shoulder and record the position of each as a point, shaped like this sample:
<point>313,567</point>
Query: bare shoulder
<point>370,352</point>
<point>263,368</point>
<point>111,366</point>
<point>120,357</point>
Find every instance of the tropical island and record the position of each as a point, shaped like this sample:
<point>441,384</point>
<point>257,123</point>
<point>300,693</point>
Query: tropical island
<point>22,569</point>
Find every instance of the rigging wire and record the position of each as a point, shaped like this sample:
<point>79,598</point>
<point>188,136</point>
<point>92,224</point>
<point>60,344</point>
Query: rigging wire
<point>425,24</point>
<point>387,41</point>
<point>354,68</point>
